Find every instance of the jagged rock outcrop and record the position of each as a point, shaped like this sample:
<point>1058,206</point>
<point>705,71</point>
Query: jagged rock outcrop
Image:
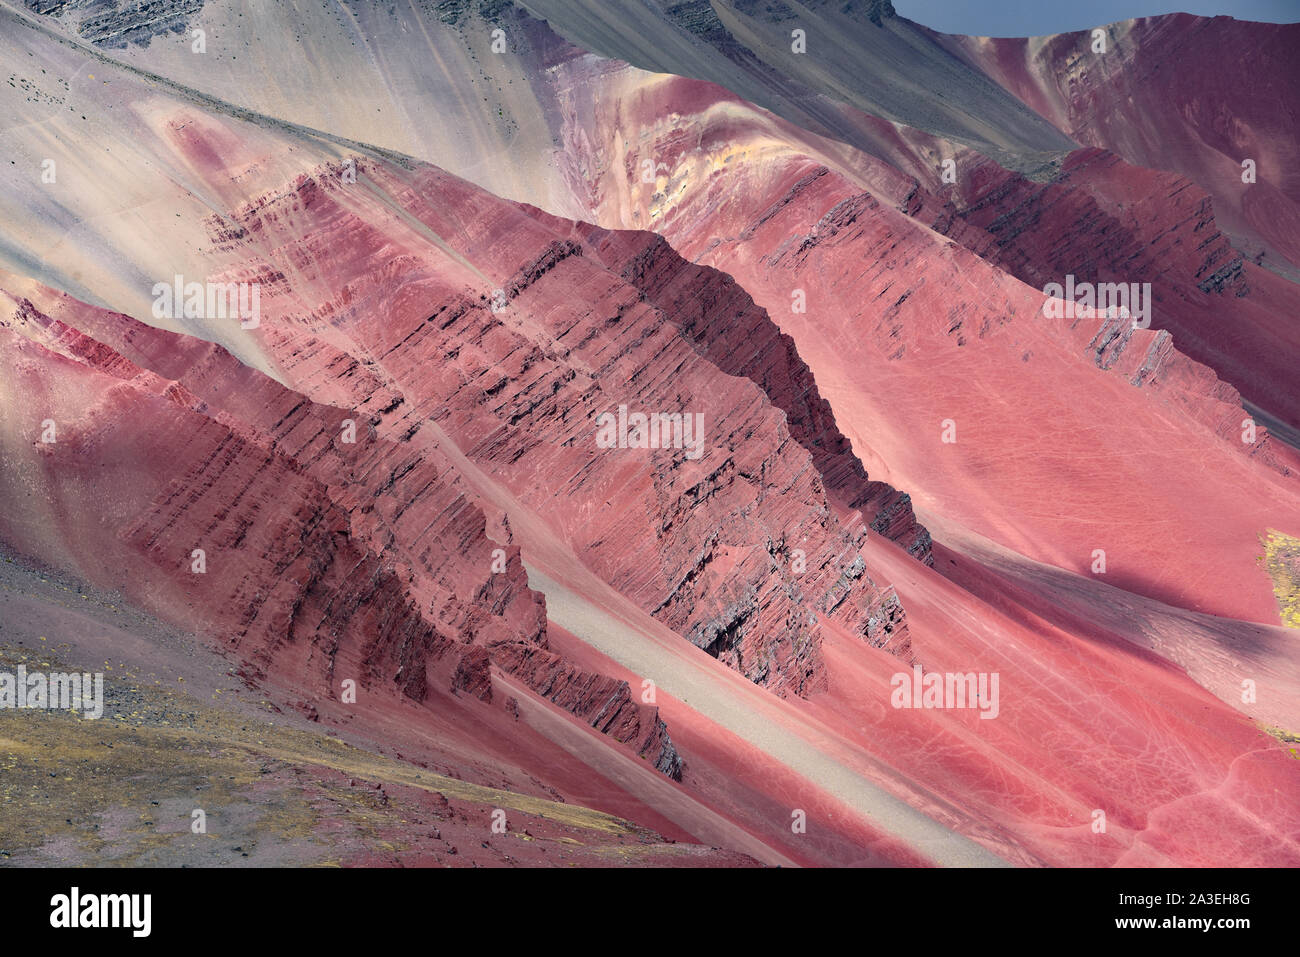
<point>114,25</point>
<point>716,313</point>
<point>731,542</point>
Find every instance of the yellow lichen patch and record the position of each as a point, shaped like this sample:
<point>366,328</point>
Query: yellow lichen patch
<point>1287,738</point>
<point>1281,560</point>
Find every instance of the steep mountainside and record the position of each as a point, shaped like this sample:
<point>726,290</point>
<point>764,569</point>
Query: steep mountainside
<point>627,397</point>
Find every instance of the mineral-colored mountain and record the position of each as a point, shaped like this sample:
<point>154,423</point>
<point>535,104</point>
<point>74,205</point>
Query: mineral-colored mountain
<point>629,403</point>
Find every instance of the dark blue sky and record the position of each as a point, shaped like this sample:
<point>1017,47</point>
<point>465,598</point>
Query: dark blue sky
<point>1020,18</point>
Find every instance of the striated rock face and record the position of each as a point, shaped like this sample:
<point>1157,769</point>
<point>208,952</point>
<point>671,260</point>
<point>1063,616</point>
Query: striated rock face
<point>732,542</point>
<point>328,553</point>
<point>1106,221</point>
<point>293,570</point>
<point>716,313</point>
